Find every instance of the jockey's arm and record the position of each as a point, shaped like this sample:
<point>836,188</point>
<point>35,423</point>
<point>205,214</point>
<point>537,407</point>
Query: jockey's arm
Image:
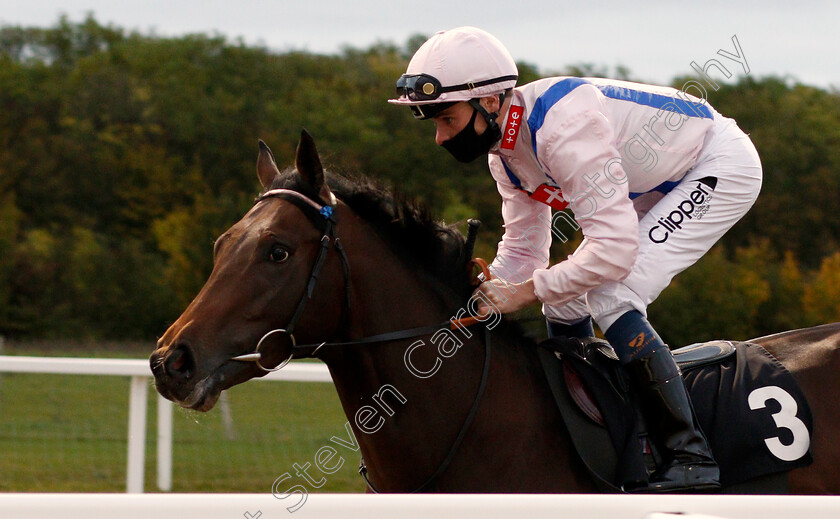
<point>576,143</point>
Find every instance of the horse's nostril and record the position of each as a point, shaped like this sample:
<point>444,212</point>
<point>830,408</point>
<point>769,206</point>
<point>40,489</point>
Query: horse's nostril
<point>180,362</point>
<point>177,361</point>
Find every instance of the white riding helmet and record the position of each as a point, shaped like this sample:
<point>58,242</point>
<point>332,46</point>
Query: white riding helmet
<point>452,66</point>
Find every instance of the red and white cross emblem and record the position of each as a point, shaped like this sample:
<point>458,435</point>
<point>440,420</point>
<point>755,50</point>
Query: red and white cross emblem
<point>551,196</point>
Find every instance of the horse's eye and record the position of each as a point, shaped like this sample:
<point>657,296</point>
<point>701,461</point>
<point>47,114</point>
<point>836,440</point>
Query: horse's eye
<point>278,254</point>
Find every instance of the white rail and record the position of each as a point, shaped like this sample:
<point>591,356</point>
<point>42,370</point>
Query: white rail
<point>412,506</point>
<point>140,372</point>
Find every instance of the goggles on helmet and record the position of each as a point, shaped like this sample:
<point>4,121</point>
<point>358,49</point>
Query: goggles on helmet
<point>419,87</point>
<point>423,87</point>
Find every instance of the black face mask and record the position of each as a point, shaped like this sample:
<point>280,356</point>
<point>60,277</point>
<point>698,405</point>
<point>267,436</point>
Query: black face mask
<point>467,145</point>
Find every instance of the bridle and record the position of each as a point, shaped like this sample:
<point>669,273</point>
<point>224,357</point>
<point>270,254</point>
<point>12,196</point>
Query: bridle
<point>324,218</point>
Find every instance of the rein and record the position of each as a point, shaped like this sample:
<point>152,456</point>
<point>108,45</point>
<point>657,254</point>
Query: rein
<point>461,433</point>
<point>323,217</point>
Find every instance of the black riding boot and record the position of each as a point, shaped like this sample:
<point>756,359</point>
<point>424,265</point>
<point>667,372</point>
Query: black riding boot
<point>689,464</point>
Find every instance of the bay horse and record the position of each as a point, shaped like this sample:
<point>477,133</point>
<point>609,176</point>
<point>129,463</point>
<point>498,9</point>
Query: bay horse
<point>340,271</point>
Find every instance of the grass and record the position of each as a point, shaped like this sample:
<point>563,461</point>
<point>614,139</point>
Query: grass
<point>67,433</point>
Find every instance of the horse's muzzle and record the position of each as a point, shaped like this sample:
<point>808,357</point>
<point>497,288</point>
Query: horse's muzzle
<point>173,370</point>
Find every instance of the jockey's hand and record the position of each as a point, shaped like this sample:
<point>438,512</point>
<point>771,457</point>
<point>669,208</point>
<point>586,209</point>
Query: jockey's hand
<point>507,297</point>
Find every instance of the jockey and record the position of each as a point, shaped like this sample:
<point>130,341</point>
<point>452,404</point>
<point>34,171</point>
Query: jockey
<point>654,177</point>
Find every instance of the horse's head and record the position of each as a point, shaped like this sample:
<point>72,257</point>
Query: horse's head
<point>262,265</point>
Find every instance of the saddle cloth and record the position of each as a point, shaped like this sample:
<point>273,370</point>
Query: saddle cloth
<point>751,409</point>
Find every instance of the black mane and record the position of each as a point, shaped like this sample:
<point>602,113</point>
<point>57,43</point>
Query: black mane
<point>407,226</point>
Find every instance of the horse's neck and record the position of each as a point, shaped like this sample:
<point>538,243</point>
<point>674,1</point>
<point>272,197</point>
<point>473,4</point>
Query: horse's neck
<point>387,295</point>
<point>406,425</point>
<point>407,400</point>
<point>388,407</point>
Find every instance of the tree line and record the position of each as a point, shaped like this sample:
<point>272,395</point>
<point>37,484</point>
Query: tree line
<point>123,156</point>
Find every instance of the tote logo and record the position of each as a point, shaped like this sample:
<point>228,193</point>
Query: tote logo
<point>512,127</point>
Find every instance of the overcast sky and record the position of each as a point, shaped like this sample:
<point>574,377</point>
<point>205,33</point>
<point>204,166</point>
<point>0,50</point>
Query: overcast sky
<point>653,38</point>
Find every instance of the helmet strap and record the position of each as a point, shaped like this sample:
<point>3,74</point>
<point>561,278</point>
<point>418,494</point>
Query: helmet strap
<point>490,118</point>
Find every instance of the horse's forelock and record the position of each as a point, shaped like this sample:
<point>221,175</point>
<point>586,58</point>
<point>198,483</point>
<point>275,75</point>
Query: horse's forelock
<point>291,179</point>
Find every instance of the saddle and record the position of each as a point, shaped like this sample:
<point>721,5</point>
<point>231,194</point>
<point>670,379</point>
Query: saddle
<point>731,385</point>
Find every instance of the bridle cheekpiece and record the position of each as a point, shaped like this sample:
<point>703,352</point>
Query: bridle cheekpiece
<point>324,218</point>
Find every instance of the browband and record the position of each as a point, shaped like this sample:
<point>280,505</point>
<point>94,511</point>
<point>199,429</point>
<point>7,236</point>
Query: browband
<point>304,198</point>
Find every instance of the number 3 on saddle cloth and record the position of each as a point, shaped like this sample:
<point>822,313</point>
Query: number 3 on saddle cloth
<point>751,409</point>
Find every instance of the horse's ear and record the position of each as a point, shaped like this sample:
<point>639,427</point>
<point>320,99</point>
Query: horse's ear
<point>266,166</point>
<point>308,163</point>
